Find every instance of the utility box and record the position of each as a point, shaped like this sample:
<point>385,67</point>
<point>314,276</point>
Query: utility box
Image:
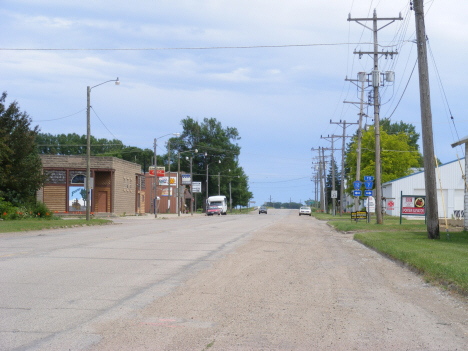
<point>376,79</point>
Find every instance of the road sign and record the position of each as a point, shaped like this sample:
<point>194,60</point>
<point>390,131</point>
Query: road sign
<point>367,192</point>
<point>370,204</point>
<point>334,194</point>
<point>357,185</point>
<point>196,187</point>
<point>369,185</point>
<point>357,192</point>
<point>369,178</point>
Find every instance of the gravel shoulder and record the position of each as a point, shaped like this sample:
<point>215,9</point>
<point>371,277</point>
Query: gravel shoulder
<point>296,285</point>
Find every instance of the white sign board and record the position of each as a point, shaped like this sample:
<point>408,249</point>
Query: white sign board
<point>186,180</point>
<point>163,181</point>
<point>334,194</point>
<point>370,204</point>
<point>196,187</point>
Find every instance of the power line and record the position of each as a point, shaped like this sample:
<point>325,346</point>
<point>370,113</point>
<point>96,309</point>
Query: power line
<point>56,119</point>
<point>184,48</point>
<point>103,123</point>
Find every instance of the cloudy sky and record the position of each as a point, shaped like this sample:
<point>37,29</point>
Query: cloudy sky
<point>255,65</point>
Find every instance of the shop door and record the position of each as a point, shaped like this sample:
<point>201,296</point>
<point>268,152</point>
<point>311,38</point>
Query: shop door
<point>102,201</point>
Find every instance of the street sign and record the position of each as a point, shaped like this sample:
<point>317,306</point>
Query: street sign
<point>357,192</point>
<point>186,179</point>
<point>334,194</point>
<point>369,185</point>
<point>196,187</point>
<point>367,192</point>
<point>370,204</point>
<point>369,178</point>
<point>357,184</point>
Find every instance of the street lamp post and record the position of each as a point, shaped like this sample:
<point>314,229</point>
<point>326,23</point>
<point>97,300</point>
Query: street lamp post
<point>207,166</point>
<point>191,181</point>
<point>155,198</point>
<point>88,145</point>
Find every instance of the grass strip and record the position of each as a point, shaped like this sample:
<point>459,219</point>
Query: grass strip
<point>39,224</point>
<point>441,261</point>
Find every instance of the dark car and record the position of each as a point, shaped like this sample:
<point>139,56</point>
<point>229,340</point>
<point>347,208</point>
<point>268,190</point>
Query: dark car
<point>262,209</point>
<point>213,210</point>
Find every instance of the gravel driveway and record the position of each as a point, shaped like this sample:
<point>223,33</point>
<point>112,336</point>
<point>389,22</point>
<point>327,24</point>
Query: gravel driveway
<point>296,285</point>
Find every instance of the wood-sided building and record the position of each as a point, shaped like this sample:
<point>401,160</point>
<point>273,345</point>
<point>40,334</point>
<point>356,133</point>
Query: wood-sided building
<point>118,186</point>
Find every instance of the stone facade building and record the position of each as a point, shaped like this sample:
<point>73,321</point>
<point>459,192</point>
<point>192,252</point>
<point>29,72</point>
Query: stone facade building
<point>118,185</point>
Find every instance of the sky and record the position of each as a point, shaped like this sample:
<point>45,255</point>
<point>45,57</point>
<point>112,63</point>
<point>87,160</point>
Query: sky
<point>275,70</point>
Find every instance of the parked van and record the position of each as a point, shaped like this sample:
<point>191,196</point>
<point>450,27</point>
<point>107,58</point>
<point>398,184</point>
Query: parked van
<point>219,201</point>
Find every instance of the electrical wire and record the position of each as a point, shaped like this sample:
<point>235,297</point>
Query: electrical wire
<point>56,119</point>
<point>182,48</point>
<point>103,123</point>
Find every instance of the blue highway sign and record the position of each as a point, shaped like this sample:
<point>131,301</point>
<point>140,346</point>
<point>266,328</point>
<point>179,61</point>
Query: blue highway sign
<point>369,185</point>
<point>369,178</point>
<point>368,193</point>
<point>357,192</point>
<point>357,185</point>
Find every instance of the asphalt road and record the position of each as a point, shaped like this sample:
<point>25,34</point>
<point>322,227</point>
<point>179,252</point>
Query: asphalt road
<point>249,282</point>
<point>55,283</point>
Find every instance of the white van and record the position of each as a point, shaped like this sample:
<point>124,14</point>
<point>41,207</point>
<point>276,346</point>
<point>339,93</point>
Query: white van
<point>219,201</point>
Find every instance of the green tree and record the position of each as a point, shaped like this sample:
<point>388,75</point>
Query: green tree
<point>397,156</point>
<point>20,165</point>
<point>214,143</point>
<point>329,184</point>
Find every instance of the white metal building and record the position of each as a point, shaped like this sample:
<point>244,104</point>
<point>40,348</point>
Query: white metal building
<point>453,189</point>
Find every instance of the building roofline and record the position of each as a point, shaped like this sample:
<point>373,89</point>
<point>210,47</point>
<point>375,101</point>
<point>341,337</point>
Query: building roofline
<point>413,174</point>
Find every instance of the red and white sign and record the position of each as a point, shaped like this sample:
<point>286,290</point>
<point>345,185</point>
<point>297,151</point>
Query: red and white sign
<point>413,205</point>
<point>390,206</point>
<point>160,171</point>
<point>151,170</point>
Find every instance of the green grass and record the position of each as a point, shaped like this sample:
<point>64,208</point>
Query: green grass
<point>390,224</point>
<point>325,216</point>
<point>439,261</point>
<point>38,224</point>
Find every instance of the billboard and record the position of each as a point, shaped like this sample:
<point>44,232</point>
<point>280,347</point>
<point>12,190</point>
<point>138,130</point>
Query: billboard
<point>413,205</point>
<point>163,181</point>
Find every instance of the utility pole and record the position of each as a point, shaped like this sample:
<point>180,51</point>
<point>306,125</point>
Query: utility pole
<point>155,180</point>
<point>376,84</point>
<point>363,80</point>
<point>426,121</point>
<point>343,125</point>
<point>331,138</point>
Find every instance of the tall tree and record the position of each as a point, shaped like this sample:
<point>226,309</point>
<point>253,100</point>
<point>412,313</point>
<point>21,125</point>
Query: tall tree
<point>214,143</point>
<point>397,155</point>
<point>20,165</point>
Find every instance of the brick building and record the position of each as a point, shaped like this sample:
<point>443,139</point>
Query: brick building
<point>119,187</point>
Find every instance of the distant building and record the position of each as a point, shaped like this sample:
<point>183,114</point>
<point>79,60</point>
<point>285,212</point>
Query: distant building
<point>465,207</point>
<point>453,188</point>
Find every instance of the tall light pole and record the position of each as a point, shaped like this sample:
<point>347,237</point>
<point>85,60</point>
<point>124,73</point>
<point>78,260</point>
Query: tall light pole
<point>207,166</point>
<point>169,174</point>
<point>155,198</point>
<point>178,171</point>
<point>191,182</point>
<point>88,146</point>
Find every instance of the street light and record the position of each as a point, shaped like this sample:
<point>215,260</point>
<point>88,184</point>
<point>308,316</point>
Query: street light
<point>155,198</point>
<point>169,174</point>
<point>207,165</point>
<point>178,175</point>
<point>88,146</point>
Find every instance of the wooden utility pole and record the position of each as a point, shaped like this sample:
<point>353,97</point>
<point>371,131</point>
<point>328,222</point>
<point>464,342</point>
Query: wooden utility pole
<point>376,84</point>
<point>432,214</point>
<point>363,80</point>
<point>332,138</point>
<point>343,125</point>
